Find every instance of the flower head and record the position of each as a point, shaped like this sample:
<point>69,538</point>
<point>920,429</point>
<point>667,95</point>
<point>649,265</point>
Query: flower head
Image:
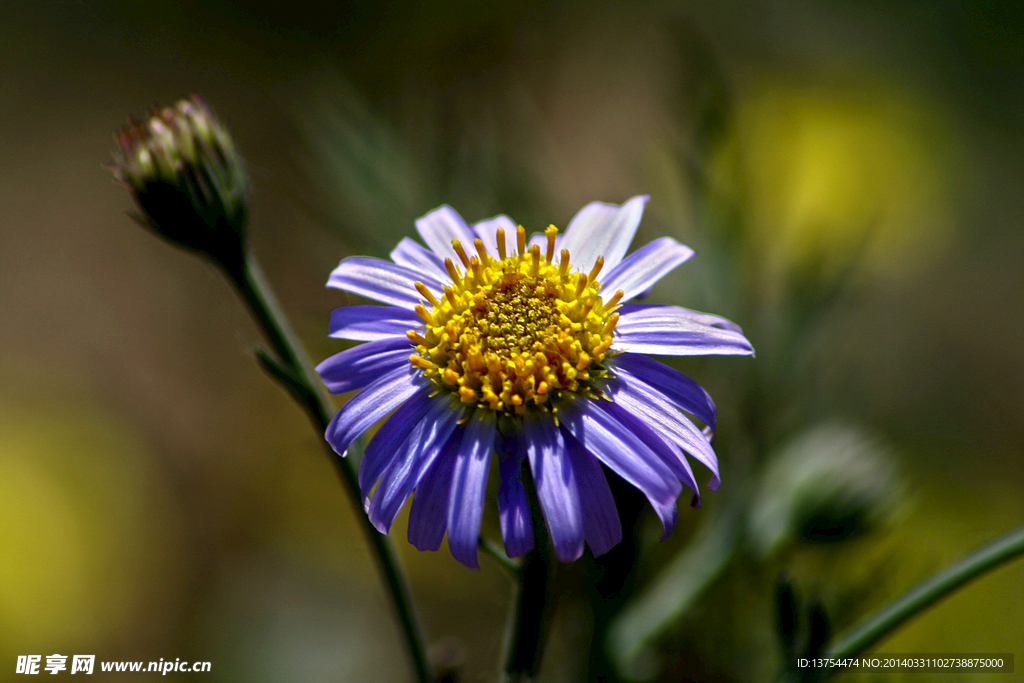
<point>518,332</point>
<point>493,345</point>
<point>184,174</point>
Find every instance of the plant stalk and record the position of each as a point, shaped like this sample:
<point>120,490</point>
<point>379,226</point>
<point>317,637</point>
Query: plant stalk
<point>925,594</point>
<point>298,379</point>
<point>534,602</point>
<point>531,618</point>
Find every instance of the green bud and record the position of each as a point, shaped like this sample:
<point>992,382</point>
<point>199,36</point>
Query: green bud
<point>829,484</point>
<point>186,178</point>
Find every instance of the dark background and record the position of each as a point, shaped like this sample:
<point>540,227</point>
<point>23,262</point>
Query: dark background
<point>159,497</point>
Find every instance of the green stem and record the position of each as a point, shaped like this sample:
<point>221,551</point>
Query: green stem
<point>534,603</point>
<point>531,618</point>
<point>930,591</point>
<point>306,389</point>
<point>513,567</point>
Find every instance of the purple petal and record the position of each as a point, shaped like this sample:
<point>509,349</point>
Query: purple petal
<point>602,230</point>
<point>672,384</point>
<point>556,485</point>
<point>601,527</point>
<point>469,487</point>
<point>381,450</point>
<point>428,516</point>
<point>487,231</point>
<point>511,441</point>
<point>513,508</point>
<point>629,310</point>
<point>596,425</point>
<point>667,514</point>
<point>370,323</point>
<point>381,280</point>
<point>439,227</point>
<point>356,367</point>
<point>666,450</point>
<point>371,404</point>
<point>661,330</point>
<point>416,454</point>
<point>416,257</point>
<point>653,409</point>
<point>645,266</point>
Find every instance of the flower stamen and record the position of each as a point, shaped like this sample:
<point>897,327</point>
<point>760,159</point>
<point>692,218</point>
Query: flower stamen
<point>516,333</point>
<point>457,245</point>
<point>479,244</point>
<point>563,268</point>
<point>426,293</point>
<point>421,362</point>
<point>550,234</point>
<point>614,301</point>
<point>581,285</point>
<point>453,272</point>
<point>609,326</point>
<point>501,243</point>
<point>422,312</point>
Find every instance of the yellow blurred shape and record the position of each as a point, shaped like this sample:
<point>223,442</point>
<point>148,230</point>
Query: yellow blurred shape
<point>828,173</point>
<point>75,504</point>
<point>44,554</point>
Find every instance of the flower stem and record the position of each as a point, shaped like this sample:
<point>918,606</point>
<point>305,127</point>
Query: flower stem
<point>534,603</point>
<point>531,618</point>
<point>511,566</point>
<point>292,370</point>
<point>923,595</point>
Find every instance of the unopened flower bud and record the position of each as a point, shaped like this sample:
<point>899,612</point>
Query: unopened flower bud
<point>829,484</point>
<point>186,178</point>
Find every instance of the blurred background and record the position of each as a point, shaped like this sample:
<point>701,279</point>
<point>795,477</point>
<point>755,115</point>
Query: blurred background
<point>850,174</point>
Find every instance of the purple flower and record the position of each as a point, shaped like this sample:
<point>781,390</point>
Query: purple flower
<point>493,345</point>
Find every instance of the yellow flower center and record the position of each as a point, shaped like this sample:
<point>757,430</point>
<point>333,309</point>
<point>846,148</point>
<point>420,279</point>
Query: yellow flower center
<point>516,332</point>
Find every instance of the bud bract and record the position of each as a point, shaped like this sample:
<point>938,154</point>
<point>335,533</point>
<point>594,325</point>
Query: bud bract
<point>830,483</point>
<point>186,178</point>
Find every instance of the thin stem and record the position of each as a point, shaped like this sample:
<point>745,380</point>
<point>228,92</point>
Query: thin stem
<point>534,604</point>
<point>930,591</point>
<point>292,370</point>
<point>511,566</point>
<point>530,618</point>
